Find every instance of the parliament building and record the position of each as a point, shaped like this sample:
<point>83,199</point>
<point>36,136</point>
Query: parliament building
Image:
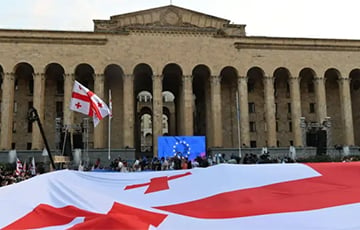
<point>177,72</point>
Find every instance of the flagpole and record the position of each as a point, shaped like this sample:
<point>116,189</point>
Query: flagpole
<point>238,121</point>
<point>109,128</point>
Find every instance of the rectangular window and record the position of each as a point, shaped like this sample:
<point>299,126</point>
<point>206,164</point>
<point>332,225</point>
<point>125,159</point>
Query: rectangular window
<point>251,107</point>
<point>289,107</point>
<point>59,109</point>
<point>13,145</point>
<point>31,87</point>
<point>251,87</point>
<point>15,107</point>
<point>29,125</point>
<point>312,107</point>
<point>291,143</point>
<point>60,87</point>
<point>277,143</point>
<point>252,144</point>
<point>252,126</point>
<point>28,146</point>
<point>311,87</point>
<point>14,127</point>
<point>277,126</point>
<point>290,126</point>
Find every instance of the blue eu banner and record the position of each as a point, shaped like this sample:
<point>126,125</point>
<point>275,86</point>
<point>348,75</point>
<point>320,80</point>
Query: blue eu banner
<point>183,146</point>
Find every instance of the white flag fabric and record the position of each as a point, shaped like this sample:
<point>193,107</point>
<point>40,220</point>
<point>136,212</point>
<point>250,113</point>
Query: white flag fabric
<point>33,167</point>
<point>86,102</point>
<point>44,153</point>
<point>12,156</point>
<point>261,196</point>
<point>19,167</point>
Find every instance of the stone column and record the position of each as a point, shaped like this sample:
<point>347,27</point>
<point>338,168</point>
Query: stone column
<point>68,87</point>
<point>216,120</point>
<point>346,111</point>
<point>7,110</point>
<point>99,130</point>
<point>187,122</point>
<point>157,111</point>
<point>244,111</point>
<point>129,110</point>
<point>320,99</point>
<point>38,103</point>
<point>296,110</point>
<point>270,111</point>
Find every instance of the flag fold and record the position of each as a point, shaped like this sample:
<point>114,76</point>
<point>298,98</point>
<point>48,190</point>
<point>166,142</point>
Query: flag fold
<point>312,196</point>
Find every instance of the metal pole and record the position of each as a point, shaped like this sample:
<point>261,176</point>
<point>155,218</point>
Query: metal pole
<point>238,120</point>
<point>109,128</point>
<point>34,116</point>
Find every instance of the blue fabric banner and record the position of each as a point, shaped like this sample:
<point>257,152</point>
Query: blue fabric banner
<point>183,146</point>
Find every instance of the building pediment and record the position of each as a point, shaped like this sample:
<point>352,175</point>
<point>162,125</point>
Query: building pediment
<point>167,18</point>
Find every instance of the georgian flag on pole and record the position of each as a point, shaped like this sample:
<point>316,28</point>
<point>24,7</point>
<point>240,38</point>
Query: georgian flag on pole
<point>317,196</point>
<point>86,102</point>
<point>19,167</point>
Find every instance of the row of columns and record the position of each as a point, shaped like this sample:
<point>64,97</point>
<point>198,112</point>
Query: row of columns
<point>215,135</point>
<point>270,118</point>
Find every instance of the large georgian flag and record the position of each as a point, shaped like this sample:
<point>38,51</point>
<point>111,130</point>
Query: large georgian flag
<point>267,196</point>
<point>86,102</point>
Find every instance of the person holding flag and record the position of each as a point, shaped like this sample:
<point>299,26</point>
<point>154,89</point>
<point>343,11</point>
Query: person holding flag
<point>86,102</point>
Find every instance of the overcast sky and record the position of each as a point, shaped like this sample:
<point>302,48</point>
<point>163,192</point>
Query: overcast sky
<point>275,18</point>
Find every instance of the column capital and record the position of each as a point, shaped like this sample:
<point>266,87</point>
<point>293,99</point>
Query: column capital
<point>69,75</point>
<point>187,78</point>
<point>269,79</point>
<point>128,75</point>
<point>243,78</point>
<point>158,76</point>
<point>343,80</point>
<point>319,79</point>
<point>99,78</point>
<point>39,75</point>
<point>98,75</point>
<point>128,78</point>
<point>9,75</point>
<point>215,79</point>
<point>293,80</point>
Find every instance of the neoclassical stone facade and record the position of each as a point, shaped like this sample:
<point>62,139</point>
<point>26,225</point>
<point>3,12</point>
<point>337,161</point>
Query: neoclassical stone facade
<point>285,88</point>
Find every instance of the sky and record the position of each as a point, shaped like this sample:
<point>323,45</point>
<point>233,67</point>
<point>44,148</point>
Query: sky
<point>271,18</point>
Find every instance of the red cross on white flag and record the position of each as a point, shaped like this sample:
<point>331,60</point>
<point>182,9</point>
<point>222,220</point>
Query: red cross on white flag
<point>86,102</point>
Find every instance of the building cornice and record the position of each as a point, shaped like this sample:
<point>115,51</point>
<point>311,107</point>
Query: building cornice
<point>52,37</point>
<point>297,44</point>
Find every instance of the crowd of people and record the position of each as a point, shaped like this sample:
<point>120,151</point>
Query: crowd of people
<point>9,174</point>
<point>178,162</point>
